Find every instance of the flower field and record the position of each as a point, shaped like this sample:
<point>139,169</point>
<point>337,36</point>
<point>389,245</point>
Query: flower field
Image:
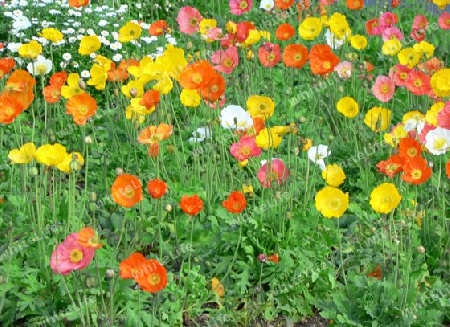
<point>224,163</point>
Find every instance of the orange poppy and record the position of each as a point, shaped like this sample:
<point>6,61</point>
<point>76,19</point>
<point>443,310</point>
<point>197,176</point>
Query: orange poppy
<point>127,190</point>
<point>269,54</point>
<point>416,171</point>
<point>447,169</point>
<point>258,125</point>
<point>10,108</point>
<point>88,238</point>
<point>410,148</point>
<point>158,28</point>
<point>130,267</point>
<point>6,65</point>
<point>152,135</point>
<point>156,188</point>
<point>215,88</point>
<point>20,80</point>
<point>322,60</point>
<point>285,32</point>
<point>283,4</point>
<point>150,99</point>
<point>274,258</point>
<point>295,55</point>
<point>52,93</point>
<point>79,3</point>
<point>355,4</point>
<point>369,67</point>
<point>154,276</point>
<point>235,203</point>
<point>392,166</point>
<point>376,273</point>
<point>191,205</point>
<point>117,74</point>
<point>395,3</point>
<point>197,75</point>
<point>58,79</point>
<point>81,107</point>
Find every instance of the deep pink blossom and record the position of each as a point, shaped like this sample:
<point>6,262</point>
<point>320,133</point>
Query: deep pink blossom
<point>245,148</point>
<point>273,172</point>
<point>189,20</point>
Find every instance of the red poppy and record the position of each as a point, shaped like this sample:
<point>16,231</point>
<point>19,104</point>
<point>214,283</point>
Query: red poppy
<point>191,205</point>
<point>285,32</point>
<point>158,28</point>
<point>392,166</point>
<point>235,203</point>
<point>416,171</point>
<point>6,65</point>
<point>215,88</point>
<point>269,54</point>
<point>283,4</point>
<point>322,60</point>
<point>409,148</point>
<point>295,55</point>
<point>156,188</point>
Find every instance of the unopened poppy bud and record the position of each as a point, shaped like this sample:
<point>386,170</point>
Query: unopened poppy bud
<point>110,273</point>
<point>302,119</point>
<point>93,196</point>
<point>288,214</point>
<point>262,257</point>
<point>2,279</point>
<point>119,171</point>
<point>34,171</point>
<point>82,84</point>
<point>420,249</point>
<point>170,149</point>
<point>277,195</point>
<point>90,282</point>
<point>133,92</point>
<point>116,92</point>
<point>88,139</point>
<point>73,166</point>
<point>341,88</point>
<point>189,45</point>
<point>168,207</point>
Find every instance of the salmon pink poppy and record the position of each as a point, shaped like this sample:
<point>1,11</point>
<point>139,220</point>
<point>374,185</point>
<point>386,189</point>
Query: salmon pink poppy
<point>443,117</point>
<point>418,83</point>
<point>273,172</point>
<point>70,255</point>
<point>444,20</point>
<point>225,60</point>
<point>388,19</point>
<point>295,55</point>
<point>383,89</point>
<point>431,66</point>
<point>373,27</point>
<point>189,19</point>
<point>239,7</point>
<point>420,22</point>
<point>399,74</point>
<point>392,33</point>
<point>269,54</point>
<point>245,148</point>
<point>418,34</point>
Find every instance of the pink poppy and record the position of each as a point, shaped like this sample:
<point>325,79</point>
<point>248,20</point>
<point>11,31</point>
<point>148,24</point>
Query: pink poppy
<point>418,83</point>
<point>70,255</point>
<point>274,171</point>
<point>344,69</point>
<point>384,88</point>
<point>392,33</point>
<point>239,7</point>
<point>327,2</point>
<point>269,54</point>
<point>444,20</point>
<point>226,60</point>
<point>215,34</point>
<point>245,148</point>
<point>388,19</point>
<point>443,117</point>
<point>420,22</point>
<point>399,74</point>
<point>189,20</point>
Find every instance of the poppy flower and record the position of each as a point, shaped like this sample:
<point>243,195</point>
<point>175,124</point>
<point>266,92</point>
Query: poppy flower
<point>152,135</point>
<point>245,148</point>
<point>129,32</point>
<point>150,99</point>
<point>158,28</point>
<point>25,154</point>
<point>129,268</point>
<point>156,188</point>
<point>283,4</point>
<point>126,190</point>
<point>395,3</point>
<point>70,255</point>
<point>235,203</point>
<point>420,22</point>
<point>418,83</point>
<point>191,205</point>
<point>274,258</point>
<point>444,20</point>
<point>214,89</point>
<point>392,166</point>
<point>153,277</point>
<point>322,60</point>
<point>273,172</point>
<point>52,93</point>
<point>58,79</point>
<point>20,81</point>
<point>355,4</point>
<point>79,3</point>
<point>409,148</point>
<point>116,74</point>
<point>447,169</point>
<point>88,238</point>
<point>376,273</point>
<point>81,107</point>
<point>284,32</point>
<point>188,19</point>
<point>388,19</point>
<point>225,60</point>
<point>269,54</point>
<point>6,65</point>
<point>239,7</point>
<point>295,55</point>
<point>373,27</point>
<point>196,76</point>
<point>416,171</point>
<point>384,88</point>
<point>399,74</point>
<point>10,108</point>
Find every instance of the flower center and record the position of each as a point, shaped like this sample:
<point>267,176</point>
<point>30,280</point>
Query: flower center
<point>384,89</point>
<point>228,62</point>
<point>214,88</point>
<point>440,143</point>
<point>197,78</point>
<point>193,22</point>
<point>76,256</point>
<point>243,5</point>
<point>154,279</point>
<point>416,174</point>
<point>271,57</point>
<point>403,76</point>
<point>417,82</point>
<point>298,57</point>
<point>245,151</point>
<point>272,176</point>
<point>327,65</point>
<point>392,167</point>
<point>129,192</point>
<point>356,3</point>
<point>335,204</point>
<point>412,152</point>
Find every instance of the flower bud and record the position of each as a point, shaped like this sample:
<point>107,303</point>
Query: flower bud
<point>110,273</point>
<point>88,139</point>
<point>74,166</point>
<point>133,92</point>
<point>2,279</point>
<point>90,282</point>
<point>119,171</point>
<point>34,171</point>
<point>168,207</point>
<point>420,249</point>
<point>82,84</point>
<point>116,92</point>
<point>93,196</point>
<point>302,119</point>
